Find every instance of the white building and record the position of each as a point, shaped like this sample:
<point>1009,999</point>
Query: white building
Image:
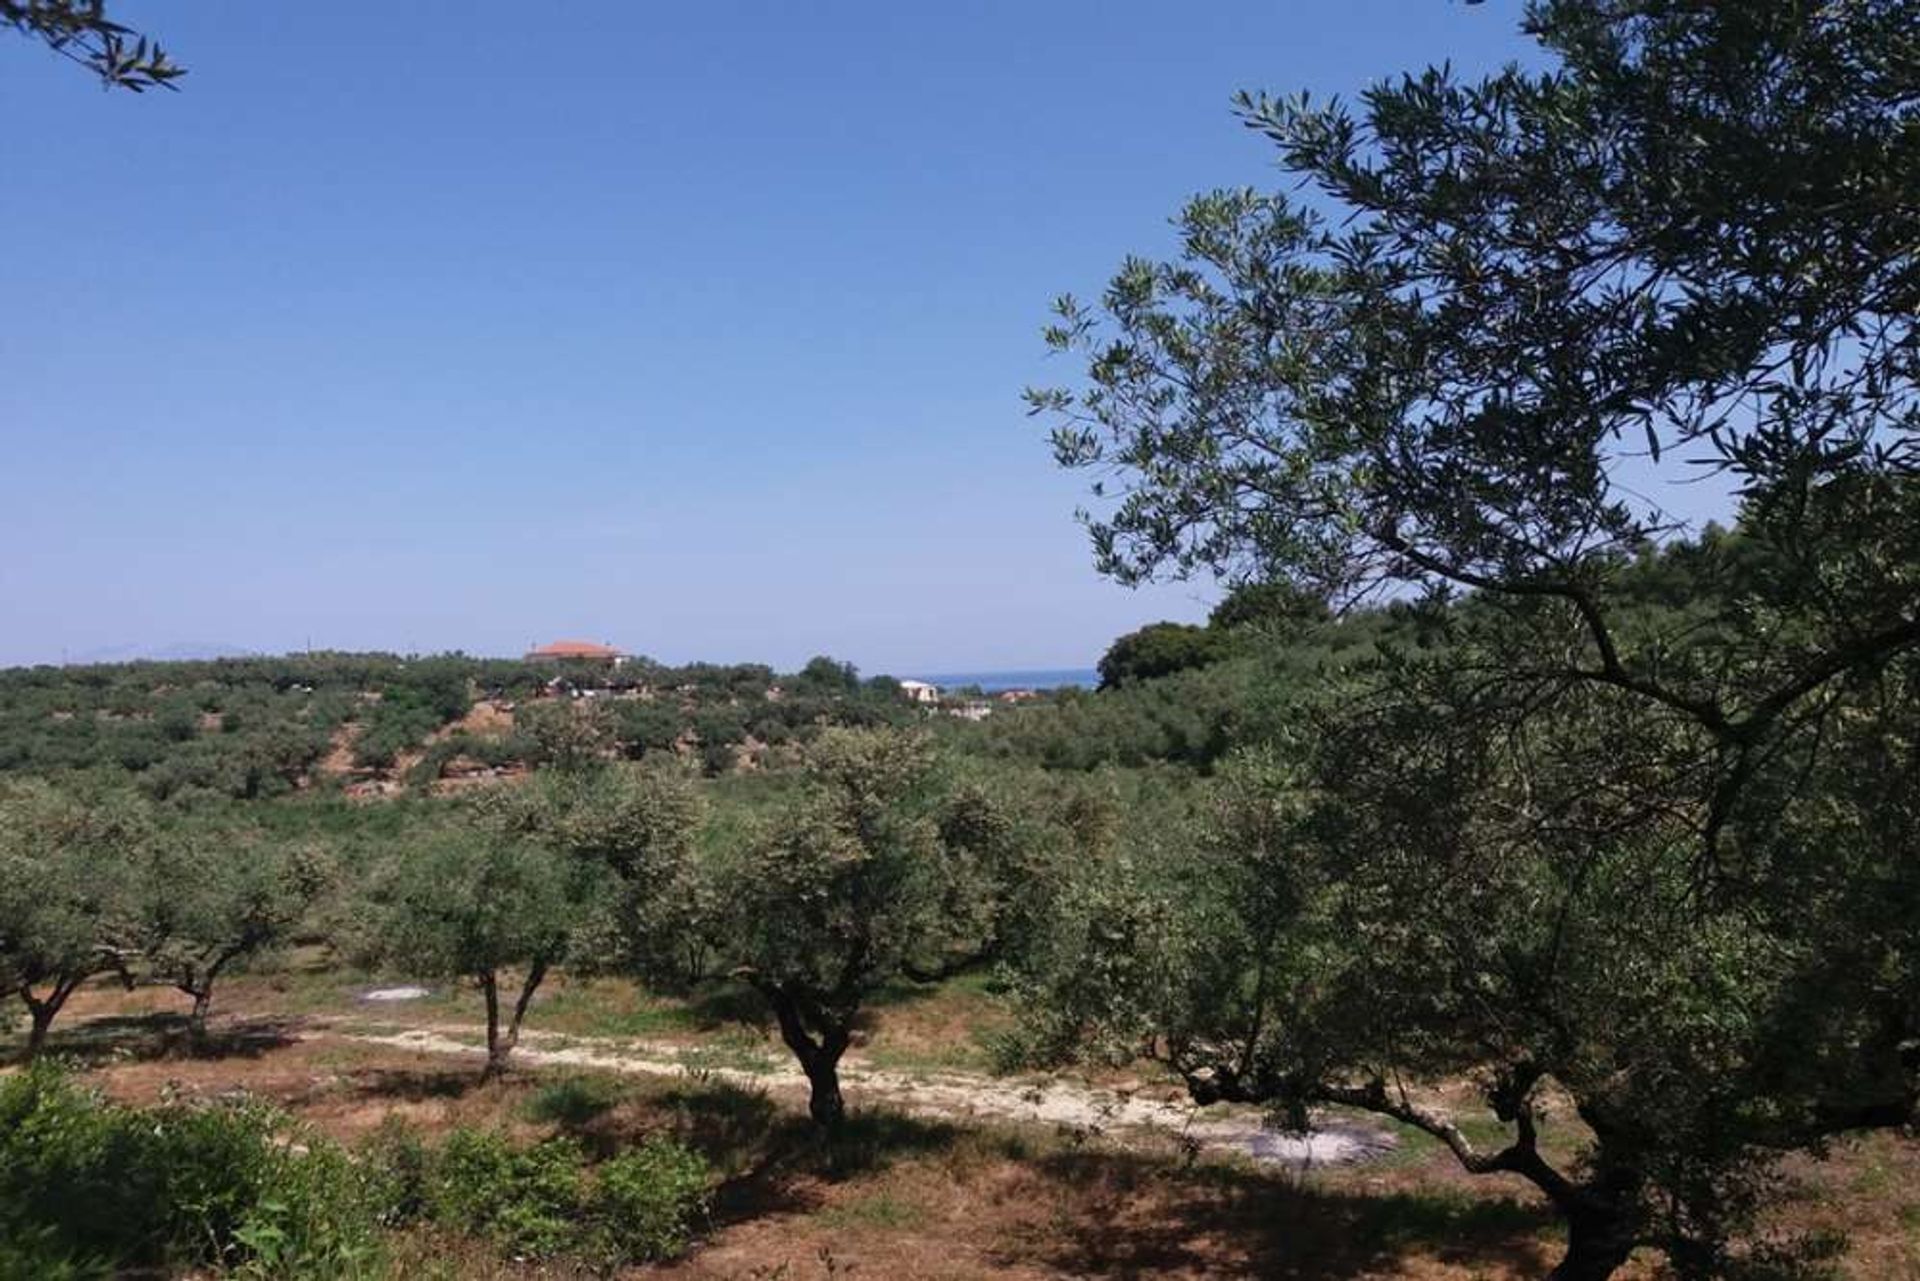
<point>920,691</point>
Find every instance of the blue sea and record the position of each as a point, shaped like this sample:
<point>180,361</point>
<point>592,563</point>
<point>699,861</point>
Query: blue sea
<point>1039,678</point>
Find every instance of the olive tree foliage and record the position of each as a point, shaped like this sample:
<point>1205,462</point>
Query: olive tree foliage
<point>1653,858</point>
<point>558,871</point>
<point>566,735</point>
<point>865,878</point>
<point>489,908</point>
<point>639,827</point>
<point>1006,842</point>
<point>69,897</point>
<point>81,31</point>
<point>211,899</point>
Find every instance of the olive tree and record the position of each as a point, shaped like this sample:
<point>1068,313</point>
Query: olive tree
<point>211,899</point>
<point>638,825</point>
<point>577,866</point>
<point>835,897</point>
<point>566,735</point>
<point>69,907</point>
<point>489,908</point>
<point>1657,860</point>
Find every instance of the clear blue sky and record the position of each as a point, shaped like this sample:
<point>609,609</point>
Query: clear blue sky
<point>698,328</point>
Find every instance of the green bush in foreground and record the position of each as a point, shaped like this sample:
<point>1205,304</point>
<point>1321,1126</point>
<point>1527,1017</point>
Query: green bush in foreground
<point>526,1197</point>
<point>545,1200</point>
<point>90,1188</point>
<point>645,1202</point>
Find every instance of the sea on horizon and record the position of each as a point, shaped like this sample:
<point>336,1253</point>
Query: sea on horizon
<point>1033,678</point>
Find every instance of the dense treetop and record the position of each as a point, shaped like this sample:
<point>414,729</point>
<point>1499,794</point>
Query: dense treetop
<point>1631,832</point>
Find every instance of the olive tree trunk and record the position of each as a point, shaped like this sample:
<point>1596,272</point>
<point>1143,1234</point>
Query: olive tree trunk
<point>501,1041</point>
<point>41,1011</point>
<point>1602,1211</point>
<point>818,1049</point>
<point>202,1008</point>
<point>198,983</point>
<point>1599,1242</point>
<point>42,1016</point>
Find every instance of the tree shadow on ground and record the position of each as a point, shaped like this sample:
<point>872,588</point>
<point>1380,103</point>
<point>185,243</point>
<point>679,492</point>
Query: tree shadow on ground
<point>1133,1216</point>
<point>413,1085</point>
<point>773,1160</point>
<point>144,1038</point>
<point>1068,1206</point>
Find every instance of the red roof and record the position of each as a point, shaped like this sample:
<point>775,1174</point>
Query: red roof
<point>575,649</point>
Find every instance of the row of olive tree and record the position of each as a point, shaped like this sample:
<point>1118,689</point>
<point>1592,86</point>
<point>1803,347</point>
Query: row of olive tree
<point>881,865</point>
<point>99,886</point>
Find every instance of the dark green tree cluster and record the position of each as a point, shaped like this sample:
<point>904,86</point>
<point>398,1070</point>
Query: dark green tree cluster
<point>1654,861</point>
<point>412,703</point>
<point>1159,649</point>
<point>194,734</point>
<point>1250,618</point>
<point>1192,718</point>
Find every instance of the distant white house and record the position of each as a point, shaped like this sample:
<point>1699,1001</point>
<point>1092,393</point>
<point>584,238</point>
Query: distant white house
<point>920,691</point>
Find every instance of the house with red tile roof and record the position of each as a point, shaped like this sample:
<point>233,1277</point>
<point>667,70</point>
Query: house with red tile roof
<point>562,650</point>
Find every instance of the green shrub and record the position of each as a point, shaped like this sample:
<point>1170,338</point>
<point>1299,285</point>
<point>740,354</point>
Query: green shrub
<point>645,1202</point>
<point>89,1187</point>
<point>400,1170</point>
<point>528,1198</point>
<point>541,1201</point>
<point>39,1253</point>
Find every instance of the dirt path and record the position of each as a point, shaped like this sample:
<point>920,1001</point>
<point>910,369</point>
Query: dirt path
<point>954,1096</point>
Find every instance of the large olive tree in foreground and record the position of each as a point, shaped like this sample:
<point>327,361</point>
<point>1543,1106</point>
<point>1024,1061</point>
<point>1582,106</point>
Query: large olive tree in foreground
<point>1658,861</point>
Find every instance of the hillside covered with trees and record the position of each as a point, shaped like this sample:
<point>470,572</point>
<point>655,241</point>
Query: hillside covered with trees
<point>246,728</point>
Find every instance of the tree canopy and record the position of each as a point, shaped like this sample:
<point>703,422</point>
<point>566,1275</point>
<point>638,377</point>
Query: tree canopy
<point>69,895</point>
<point>1641,853</point>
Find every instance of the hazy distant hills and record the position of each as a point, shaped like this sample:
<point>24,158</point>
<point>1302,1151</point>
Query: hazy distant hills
<point>177,652</point>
